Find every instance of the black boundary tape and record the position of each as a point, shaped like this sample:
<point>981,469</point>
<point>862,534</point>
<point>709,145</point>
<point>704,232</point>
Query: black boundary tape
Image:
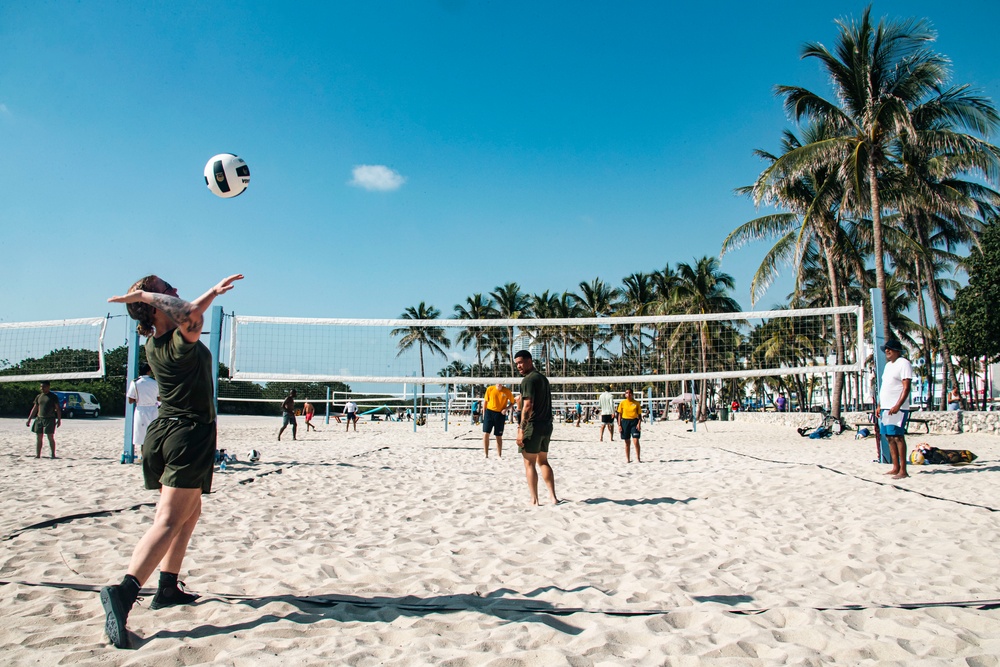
<point>520,605</point>
<point>863,479</point>
<point>48,523</point>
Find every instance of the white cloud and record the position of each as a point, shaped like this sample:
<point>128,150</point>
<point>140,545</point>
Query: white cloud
<point>376,177</point>
<point>4,110</point>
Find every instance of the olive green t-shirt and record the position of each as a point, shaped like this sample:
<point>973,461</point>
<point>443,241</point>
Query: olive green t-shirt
<point>183,373</point>
<point>47,403</point>
<point>535,386</point>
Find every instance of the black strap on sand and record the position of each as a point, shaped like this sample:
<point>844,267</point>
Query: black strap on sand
<point>863,479</point>
<point>513,605</point>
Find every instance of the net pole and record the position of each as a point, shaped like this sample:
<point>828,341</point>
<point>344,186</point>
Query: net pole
<point>328,406</point>
<point>878,340</point>
<point>652,411</point>
<point>694,409</point>
<point>214,345</point>
<point>447,401</point>
<point>132,371</point>
<point>414,407</point>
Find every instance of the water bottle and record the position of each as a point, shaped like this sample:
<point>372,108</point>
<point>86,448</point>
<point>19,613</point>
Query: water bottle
<point>222,466</point>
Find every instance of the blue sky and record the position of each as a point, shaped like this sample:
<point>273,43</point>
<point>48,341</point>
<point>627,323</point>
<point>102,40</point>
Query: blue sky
<point>543,143</point>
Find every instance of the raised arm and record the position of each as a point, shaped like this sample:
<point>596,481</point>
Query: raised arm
<point>187,316</point>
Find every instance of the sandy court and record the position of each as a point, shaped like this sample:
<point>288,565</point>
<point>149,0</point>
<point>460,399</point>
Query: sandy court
<point>738,544</point>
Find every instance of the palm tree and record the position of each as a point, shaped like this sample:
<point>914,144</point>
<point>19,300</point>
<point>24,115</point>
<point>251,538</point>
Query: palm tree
<point>880,73</point>
<point>702,289</point>
<point>511,302</point>
<point>637,297</point>
<point>476,308</point>
<point>422,335</point>
<point>595,299</point>
<point>814,223</point>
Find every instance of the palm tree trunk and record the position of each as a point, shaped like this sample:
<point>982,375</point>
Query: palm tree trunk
<point>877,237</point>
<point>838,377</point>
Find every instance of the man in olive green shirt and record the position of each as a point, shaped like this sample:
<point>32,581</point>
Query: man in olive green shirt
<point>47,415</point>
<point>535,427</point>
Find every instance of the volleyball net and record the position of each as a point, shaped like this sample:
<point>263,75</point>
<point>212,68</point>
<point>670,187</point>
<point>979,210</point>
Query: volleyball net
<point>465,355</point>
<point>52,349</point>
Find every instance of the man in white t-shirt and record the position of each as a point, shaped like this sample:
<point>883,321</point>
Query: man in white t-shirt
<point>351,412</point>
<point>894,404</point>
<point>606,402</point>
<point>143,394</point>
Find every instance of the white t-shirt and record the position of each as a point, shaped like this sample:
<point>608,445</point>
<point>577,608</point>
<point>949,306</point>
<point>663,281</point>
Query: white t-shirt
<point>607,402</point>
<point>892,384</point>
<point>350,407</point>
<point>143,391</point>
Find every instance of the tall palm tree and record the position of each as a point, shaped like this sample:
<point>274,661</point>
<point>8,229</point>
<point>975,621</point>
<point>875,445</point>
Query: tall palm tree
<point>880,73</point>
<point>511,303</point>
<point>814,223</point>
<point>704,288</point>
<point>422,335</point>
<point>476,307</point>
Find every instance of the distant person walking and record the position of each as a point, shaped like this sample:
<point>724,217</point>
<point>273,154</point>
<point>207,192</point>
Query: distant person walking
<point>178,454</point>
<point>606,402</point>
<point>47,414</point>
<point>308,411</point>
<point>351,413</point>
<point>496,403</point>
<point>781,403</point>
<point>894,404</point>
<point>629,418</point>
<point>535,428</point>
<point>144,395</point>
<point>954,399</point>
<point>288,415</point>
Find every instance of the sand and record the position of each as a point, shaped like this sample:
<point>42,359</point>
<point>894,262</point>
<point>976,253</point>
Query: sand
<point>740,544</point>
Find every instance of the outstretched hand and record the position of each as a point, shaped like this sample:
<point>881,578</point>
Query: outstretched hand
<point>227,284</point>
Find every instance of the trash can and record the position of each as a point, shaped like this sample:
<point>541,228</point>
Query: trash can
<point>723,414</point>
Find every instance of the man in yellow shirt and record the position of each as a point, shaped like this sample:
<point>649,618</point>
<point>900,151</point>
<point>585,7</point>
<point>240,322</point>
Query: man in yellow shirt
<point>496,403</point>
<point>629,419</point>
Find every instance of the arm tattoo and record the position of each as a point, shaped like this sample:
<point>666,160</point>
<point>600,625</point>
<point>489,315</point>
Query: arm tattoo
<point>177,310</point>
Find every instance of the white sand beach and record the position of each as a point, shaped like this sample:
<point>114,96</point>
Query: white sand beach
<point>740,544</point>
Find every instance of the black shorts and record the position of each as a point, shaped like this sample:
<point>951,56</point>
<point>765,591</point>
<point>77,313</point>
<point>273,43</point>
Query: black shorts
<point>607,419</point>
<point>494,422</point>
<point>45,425</point>
<point>179,453</point>
<point>630,429</point>
<point>536,437</point>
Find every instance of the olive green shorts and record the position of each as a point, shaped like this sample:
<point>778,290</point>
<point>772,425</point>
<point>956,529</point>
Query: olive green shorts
<point>535,437</point>
<point>45,425</point>
<point>179,453</point>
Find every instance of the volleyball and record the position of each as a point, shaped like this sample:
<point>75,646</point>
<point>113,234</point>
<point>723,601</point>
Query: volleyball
<point>227,175</point>
<point>253,456</point>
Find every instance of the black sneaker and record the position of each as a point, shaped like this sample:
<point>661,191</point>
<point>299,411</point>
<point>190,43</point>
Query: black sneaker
<point>115,617</point>
<point>171,597</point>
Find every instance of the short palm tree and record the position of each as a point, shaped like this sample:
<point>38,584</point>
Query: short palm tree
<point>422,335</point>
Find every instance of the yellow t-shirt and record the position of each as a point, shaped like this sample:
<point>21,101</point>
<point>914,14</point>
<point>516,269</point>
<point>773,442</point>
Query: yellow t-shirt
<point>498,398</point>
<point>629,409</point>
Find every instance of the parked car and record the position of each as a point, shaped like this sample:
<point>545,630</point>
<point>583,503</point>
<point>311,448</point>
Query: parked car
<point>78,404</point>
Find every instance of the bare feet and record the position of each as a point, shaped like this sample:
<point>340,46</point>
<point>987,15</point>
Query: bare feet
<point>892,472</point>
<point>901,475</point>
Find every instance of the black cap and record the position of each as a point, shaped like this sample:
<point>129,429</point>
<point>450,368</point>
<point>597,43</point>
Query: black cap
<point>892,345</point>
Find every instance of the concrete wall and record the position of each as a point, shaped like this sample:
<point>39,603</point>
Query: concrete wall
<point>942,423</point>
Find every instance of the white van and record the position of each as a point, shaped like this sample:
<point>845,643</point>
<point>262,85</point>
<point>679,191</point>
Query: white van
<point>78,403</point>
